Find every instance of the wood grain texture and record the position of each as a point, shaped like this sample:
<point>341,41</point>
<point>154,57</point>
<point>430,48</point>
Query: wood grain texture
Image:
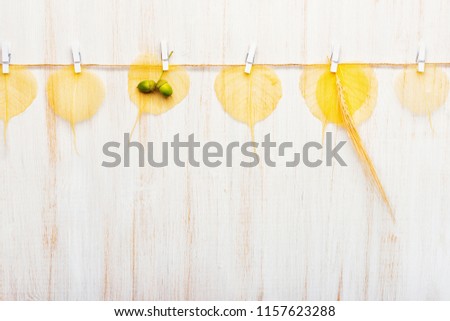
<point>71,229</point>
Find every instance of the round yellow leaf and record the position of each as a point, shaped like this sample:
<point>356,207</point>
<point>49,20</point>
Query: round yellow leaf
<point>148,67</point>
<point>75,97</point>
<point>422,93</point>
<point>248,98</point>
<point>320,90</point>
<point>17,91</point>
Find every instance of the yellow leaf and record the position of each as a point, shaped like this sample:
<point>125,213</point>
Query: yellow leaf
<point>318,86</point>
<point>17,91</point>
<point>148,67</point>
<point>248,98</point>
<point>346,97</point>
<point>422,93</point>
<point>74,97</point>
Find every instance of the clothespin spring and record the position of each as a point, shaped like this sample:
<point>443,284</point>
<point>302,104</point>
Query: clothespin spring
<point>6,58</point>
<point>250,58</point>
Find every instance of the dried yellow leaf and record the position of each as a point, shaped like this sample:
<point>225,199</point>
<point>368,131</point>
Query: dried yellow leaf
<point>148,67</point>
<point>17,91</point>
<point>318,86</point>
<point>422,93</point>
<point>75,97</point>
<point>248,98</point>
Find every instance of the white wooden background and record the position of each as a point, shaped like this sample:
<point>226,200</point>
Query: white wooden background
<point>73,230</point>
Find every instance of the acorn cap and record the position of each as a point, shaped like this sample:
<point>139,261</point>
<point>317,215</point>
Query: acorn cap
<point>160,83</point>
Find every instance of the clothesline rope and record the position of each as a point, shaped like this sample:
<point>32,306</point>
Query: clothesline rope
<point>375,64</point>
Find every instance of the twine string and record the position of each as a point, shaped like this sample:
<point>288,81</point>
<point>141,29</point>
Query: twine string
<point>213,65</point>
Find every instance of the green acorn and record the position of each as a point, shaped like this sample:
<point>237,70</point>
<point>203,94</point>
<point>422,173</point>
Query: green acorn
<point>146,86</point>
<point>166,90</point>
<point>164,87</point>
